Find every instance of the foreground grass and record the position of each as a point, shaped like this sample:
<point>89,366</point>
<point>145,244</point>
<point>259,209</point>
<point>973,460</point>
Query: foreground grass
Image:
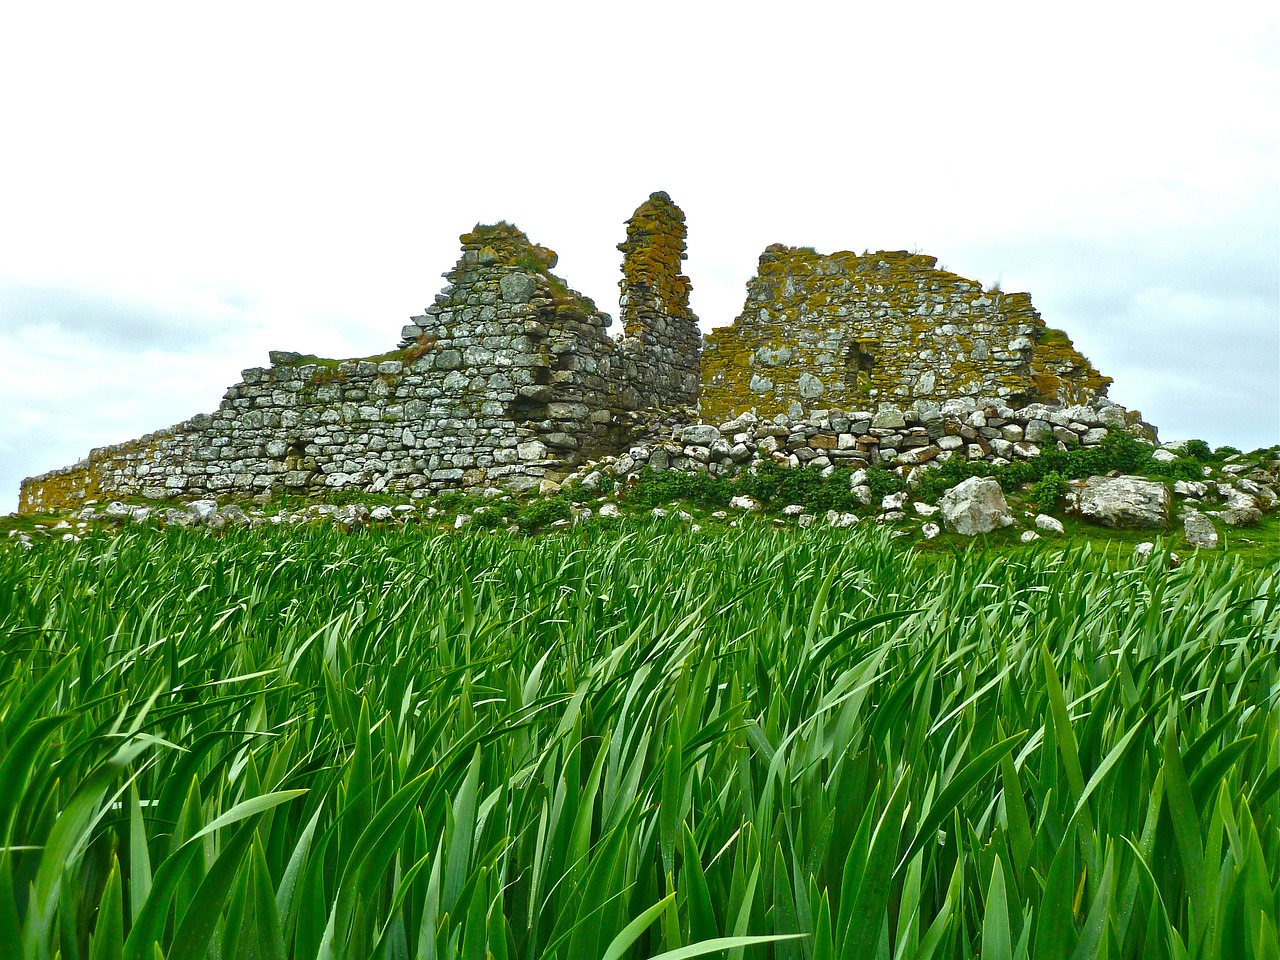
<point>305,744</point>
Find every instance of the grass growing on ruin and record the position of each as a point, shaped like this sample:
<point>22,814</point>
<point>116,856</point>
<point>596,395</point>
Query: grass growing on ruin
<point>302,744</point>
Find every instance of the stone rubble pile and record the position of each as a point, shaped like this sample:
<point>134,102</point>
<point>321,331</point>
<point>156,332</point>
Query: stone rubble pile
<point>889,437</point>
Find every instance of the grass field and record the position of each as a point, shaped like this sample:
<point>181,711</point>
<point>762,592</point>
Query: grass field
<point>633,744</point>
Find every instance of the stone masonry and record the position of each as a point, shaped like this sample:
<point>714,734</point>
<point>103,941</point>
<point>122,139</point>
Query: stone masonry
<point>851,331</point>
<point>510,378</point>
<point>662,343</point>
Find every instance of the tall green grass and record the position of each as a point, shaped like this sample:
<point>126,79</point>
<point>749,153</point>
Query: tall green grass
<point>307,744</point>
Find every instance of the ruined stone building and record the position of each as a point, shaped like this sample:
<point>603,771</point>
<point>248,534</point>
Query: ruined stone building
<point>853,331</point>
<point>510,376</point>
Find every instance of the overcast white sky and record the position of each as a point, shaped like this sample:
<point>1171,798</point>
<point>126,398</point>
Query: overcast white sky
<point>183,187</point>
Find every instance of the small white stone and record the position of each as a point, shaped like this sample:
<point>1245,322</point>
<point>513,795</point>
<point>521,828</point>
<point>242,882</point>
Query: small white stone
<point>1049,524</point>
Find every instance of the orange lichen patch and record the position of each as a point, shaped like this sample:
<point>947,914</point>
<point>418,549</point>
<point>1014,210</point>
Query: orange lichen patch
<point>97,476</point>
<point>654,252</point>
<point>661,332</point>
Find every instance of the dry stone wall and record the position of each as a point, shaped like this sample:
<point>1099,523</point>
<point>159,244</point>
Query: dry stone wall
<point>851,331</point>
<point>903,439</point>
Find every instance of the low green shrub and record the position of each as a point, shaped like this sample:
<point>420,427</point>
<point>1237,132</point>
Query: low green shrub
<point>883,482</point>
<point>1197,450</point>
<point>494,514</point>
<point>779,486</point>
<point>657,487</point>
<point>544,512</point>
<point>1118,451</point>
<point>1048,492</point>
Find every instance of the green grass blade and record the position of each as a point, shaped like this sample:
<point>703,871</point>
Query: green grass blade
<point>108,932</point>
<point>997,941</point>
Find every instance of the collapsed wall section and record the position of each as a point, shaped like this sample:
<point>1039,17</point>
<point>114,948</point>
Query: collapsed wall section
<point>1060,372</point>
<point>850,331</point>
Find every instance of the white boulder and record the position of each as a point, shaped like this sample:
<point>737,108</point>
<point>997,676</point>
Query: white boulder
<point>1199,531</point>
<point>203,510</point>
<point>1124,503</point>
<point>974,506</point>
<point>1048,524</point>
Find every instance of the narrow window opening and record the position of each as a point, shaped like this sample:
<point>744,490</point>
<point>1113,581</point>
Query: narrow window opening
<point>859,365</point>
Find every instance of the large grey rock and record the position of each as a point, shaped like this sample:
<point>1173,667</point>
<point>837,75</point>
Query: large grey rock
<point>1111,416</point>
<point>699,434</point>
<point>1094,436</point>
<point>810,387</point>
<point>203,510</point>
<point>974,506</point>
<point>889,418</point>
<point>1199,531</point>
<point>174,517</point>
<point>532,450</point>
<point>1241,510</point>
<point>738,424</point>
<point>1259,490</point>
<point>517,287</point>
<point>1124,503</point>
<point>1190,488</point>
<point>233,515</point>
<point>1038,431</point>
<point>1049,524</point>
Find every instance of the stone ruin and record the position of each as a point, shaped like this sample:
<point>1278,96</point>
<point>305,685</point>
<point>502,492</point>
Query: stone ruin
<point>854,331</point>
<point>511,378</point>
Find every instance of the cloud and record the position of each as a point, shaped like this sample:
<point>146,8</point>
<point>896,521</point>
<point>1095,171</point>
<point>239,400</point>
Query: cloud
<point>115,322</point>
<point>84,368</point>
